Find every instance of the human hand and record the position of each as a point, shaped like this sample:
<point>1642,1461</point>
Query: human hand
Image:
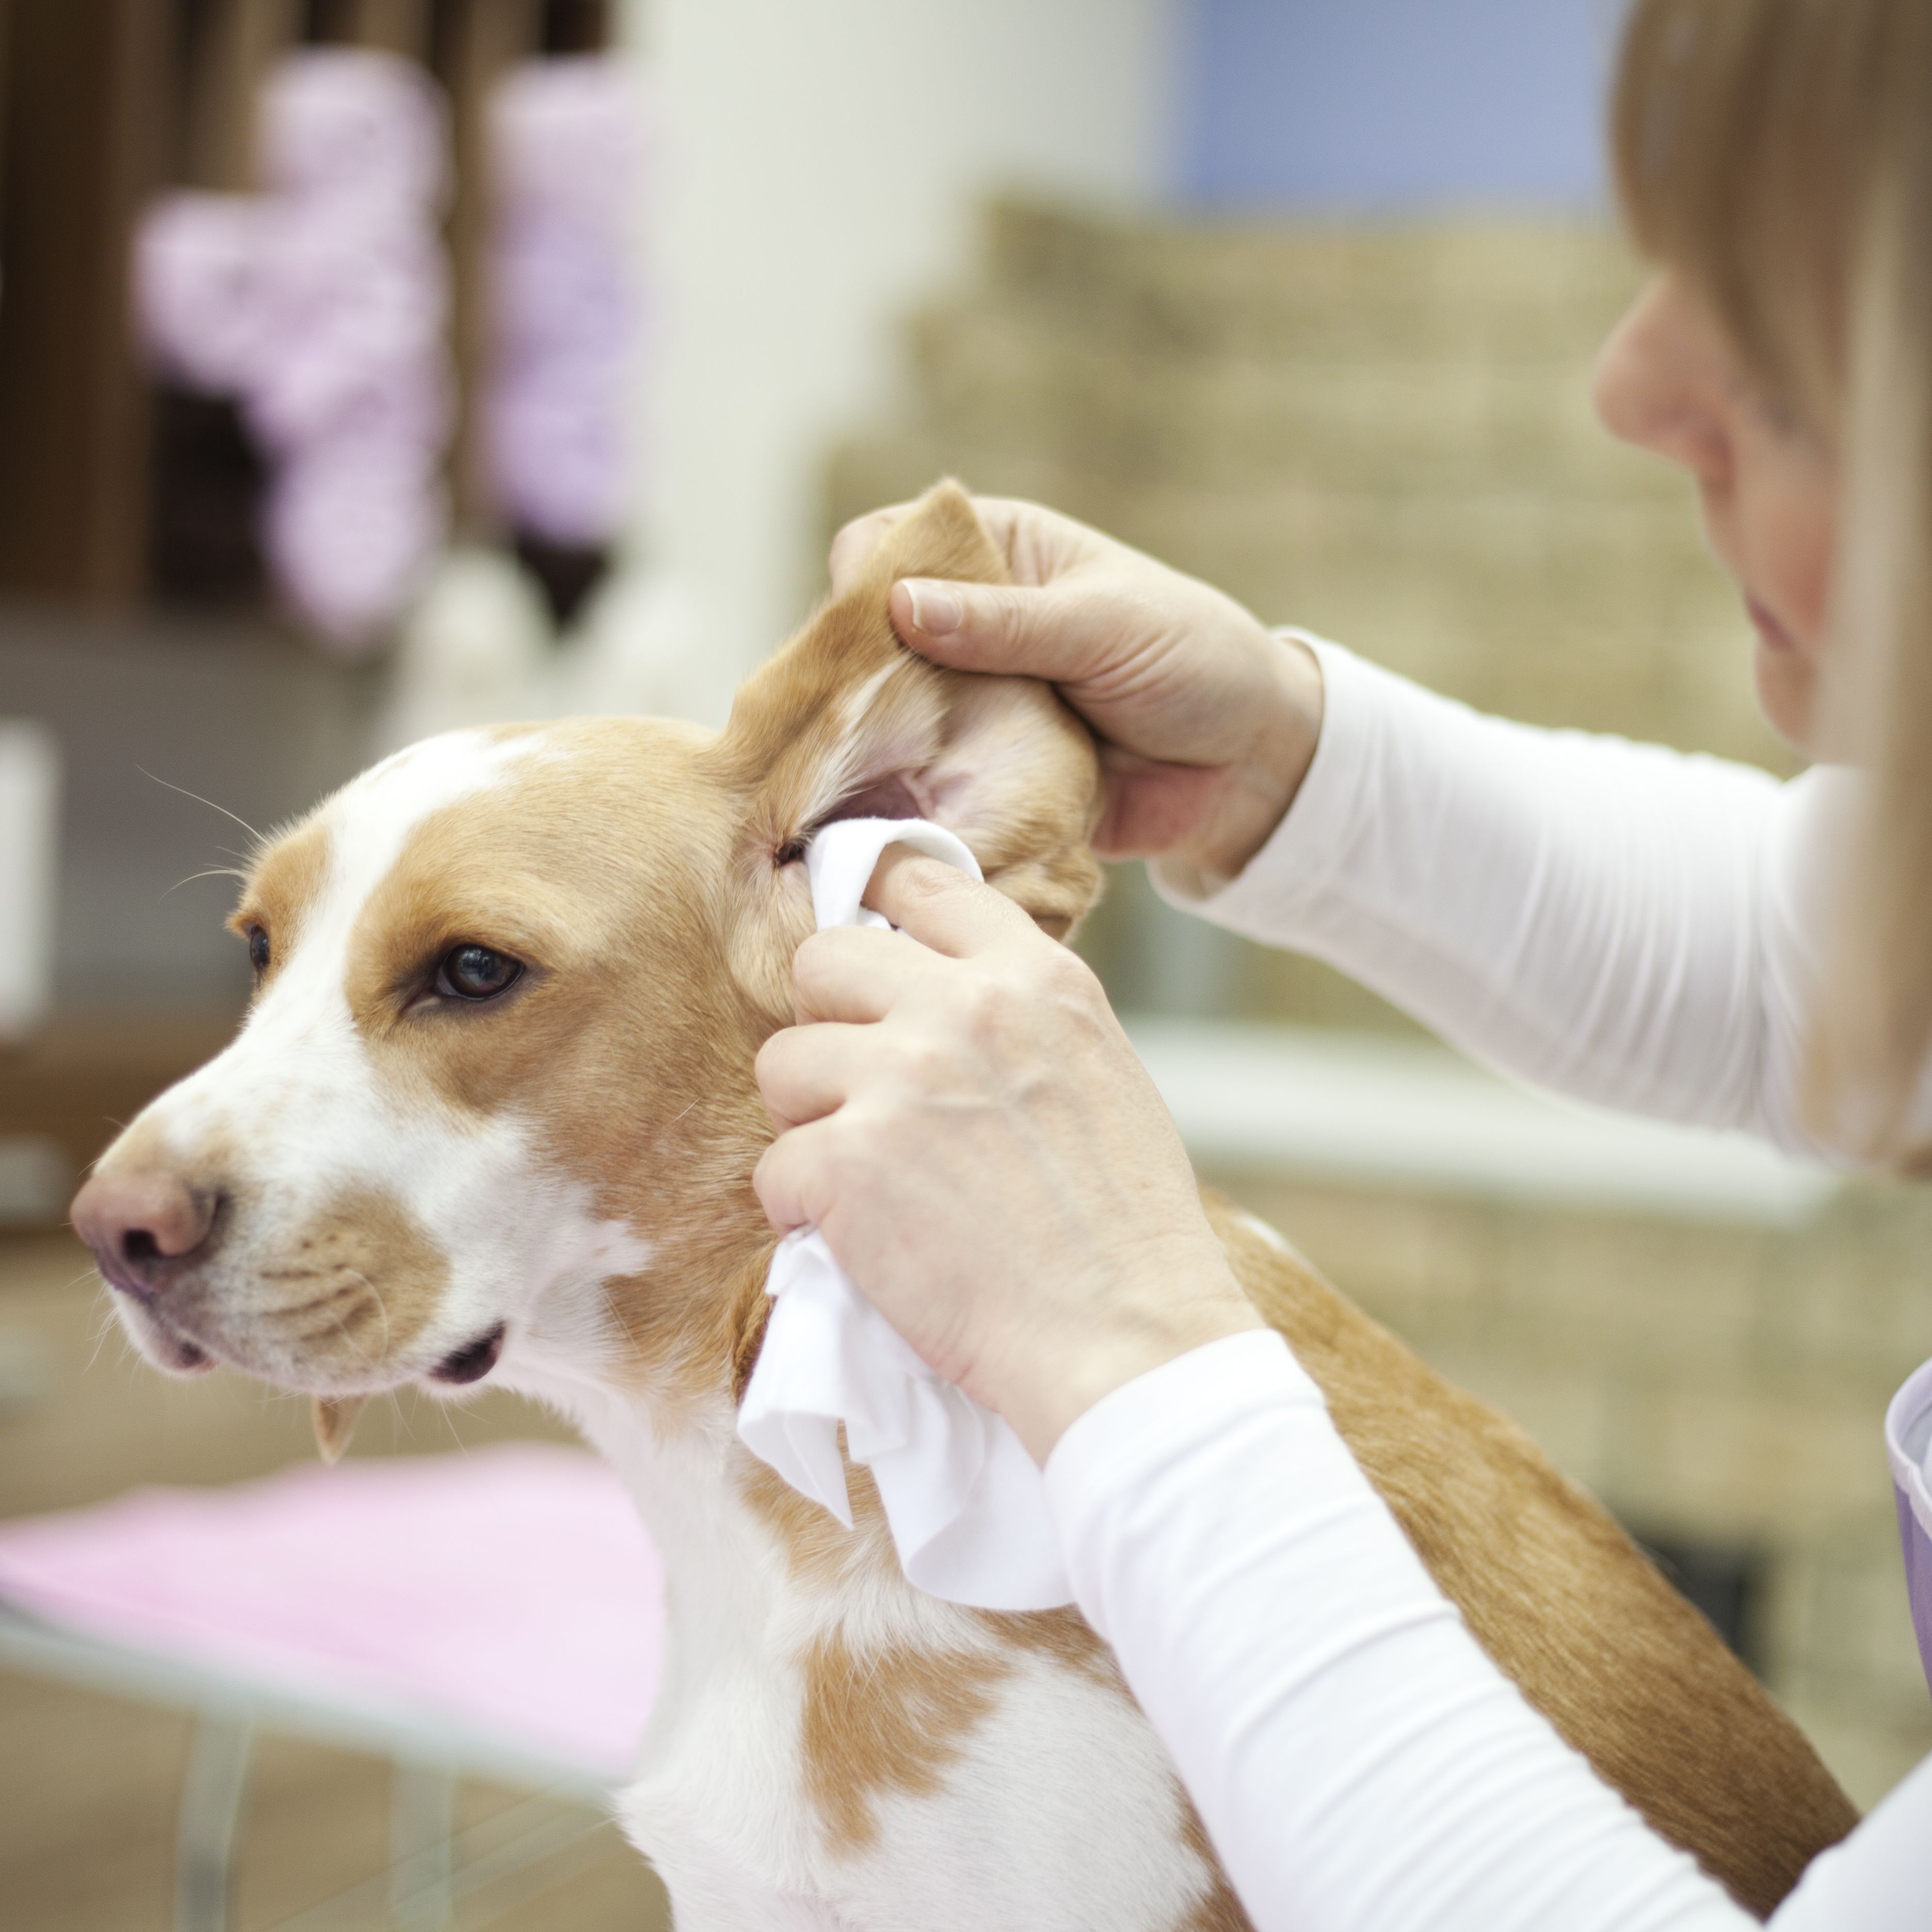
<point>1207,721</point>
<point>960,1115</point>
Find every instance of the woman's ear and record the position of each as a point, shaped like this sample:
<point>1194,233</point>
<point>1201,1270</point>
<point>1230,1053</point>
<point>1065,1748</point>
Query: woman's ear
<point>845,722</point>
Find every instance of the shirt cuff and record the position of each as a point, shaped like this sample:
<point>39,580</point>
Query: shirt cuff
<point>1306,848</point>
<point>1166,1412</point>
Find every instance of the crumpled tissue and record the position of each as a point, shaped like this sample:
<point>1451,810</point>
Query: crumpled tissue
<point>966,1503</point>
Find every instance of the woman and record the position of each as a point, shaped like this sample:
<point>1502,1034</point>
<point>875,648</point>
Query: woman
<point>1671,935</point>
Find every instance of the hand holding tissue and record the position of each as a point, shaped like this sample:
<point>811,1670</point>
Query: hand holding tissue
<point>965,1503</point>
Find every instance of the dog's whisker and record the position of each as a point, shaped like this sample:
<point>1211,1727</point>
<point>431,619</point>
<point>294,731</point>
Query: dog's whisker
<point>211,872</point>
<point>199,800</point>
<point>383,1308</point>
<point>340,1323</point>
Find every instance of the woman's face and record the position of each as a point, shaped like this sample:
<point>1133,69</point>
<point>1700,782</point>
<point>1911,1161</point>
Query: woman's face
<point>1667,381</point>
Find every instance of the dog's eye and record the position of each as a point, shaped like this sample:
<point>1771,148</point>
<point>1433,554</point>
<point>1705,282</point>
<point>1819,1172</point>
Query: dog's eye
<point>476,973</point>
<point>258,950</point>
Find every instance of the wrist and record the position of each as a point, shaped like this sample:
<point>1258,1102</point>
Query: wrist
<point>1056,1386</point>
<point>1261,784</point>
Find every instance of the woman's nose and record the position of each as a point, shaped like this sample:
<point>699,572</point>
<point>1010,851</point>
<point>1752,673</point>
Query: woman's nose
<point>135,1222</point>
<point>1661,384</point>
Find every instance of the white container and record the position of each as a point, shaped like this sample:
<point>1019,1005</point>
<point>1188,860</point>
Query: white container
<point>30,770</point>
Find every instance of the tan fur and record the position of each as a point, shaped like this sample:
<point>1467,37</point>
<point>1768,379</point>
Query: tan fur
<point>323,1285</point>
<point>886,1723</point>
<point>334,1419</point>
<point>647,874</point>
<point>1559,1596</point>
<point>277,895</point>
<point>1219,1910</point>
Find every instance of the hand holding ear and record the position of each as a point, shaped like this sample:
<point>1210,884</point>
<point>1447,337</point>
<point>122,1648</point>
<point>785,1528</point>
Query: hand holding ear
<point>961,1114</point>
<point>1207,721</point>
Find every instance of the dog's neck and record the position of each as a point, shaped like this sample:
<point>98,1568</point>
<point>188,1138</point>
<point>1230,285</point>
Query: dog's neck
<point>680,1461</point>
<point>749,1563</point>
<point>650,1367</point>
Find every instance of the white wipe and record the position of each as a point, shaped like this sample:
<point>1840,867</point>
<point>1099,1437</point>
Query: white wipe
<point>966,1503</point>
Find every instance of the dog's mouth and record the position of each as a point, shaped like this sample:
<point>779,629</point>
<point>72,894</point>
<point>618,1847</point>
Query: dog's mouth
<point>334,1416</point>
<point>162,1327</point>
<point>472,1362</point>
<point>160,1341</point>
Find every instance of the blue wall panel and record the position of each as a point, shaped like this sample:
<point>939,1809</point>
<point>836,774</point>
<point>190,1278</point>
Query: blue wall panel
<point>1387,104</point>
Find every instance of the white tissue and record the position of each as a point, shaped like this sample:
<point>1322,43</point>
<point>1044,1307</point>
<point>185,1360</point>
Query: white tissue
<point>965,1503</point>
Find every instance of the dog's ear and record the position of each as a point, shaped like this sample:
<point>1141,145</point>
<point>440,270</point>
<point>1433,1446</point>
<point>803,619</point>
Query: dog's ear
<point>845,722</point>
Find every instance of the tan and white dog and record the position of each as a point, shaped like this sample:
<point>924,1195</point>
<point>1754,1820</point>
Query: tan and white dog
<point>492,1115</point>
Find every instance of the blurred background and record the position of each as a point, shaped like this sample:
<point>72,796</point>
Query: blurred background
<point>368,367</point>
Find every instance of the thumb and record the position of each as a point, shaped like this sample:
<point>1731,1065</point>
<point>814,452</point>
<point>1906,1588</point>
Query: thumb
<point>1063,635</point>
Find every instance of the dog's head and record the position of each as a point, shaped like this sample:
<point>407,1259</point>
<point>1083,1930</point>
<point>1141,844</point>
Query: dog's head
<point>493,1101</point>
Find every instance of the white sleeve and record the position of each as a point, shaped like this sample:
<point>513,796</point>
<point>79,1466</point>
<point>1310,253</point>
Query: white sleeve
<point>1621,922</point>
<point>1359,1763</point>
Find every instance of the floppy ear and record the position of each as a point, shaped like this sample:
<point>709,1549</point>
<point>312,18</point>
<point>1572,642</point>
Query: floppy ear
<point>845,722</point>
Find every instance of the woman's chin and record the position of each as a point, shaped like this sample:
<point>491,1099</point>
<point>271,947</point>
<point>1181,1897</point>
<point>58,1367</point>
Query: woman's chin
<point>1787,695</point>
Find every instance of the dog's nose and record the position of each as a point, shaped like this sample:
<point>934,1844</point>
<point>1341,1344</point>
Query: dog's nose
<point>134,1222</point>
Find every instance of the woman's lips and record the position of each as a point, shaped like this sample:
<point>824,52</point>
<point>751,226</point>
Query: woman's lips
<point>1773,634</point>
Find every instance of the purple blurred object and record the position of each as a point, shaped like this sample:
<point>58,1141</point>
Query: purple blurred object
<point>570,136</point>
<point>568,149</point>
<point>350,124</point>
<point>357,314</point>
<point>198,295</point>
<point>568,475</point>
<point>351,528</point>
<point>322,306</point>
<point>1908,1442</point>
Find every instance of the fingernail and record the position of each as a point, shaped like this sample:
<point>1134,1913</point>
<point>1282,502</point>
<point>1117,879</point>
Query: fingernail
<point>935,610</point>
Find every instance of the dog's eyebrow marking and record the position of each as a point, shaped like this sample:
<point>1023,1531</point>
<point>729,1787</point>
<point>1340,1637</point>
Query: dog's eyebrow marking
<point>363,831</point>
<point>375,816</point>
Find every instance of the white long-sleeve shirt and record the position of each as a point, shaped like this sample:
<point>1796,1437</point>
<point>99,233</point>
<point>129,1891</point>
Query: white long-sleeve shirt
<point>1615,920</point>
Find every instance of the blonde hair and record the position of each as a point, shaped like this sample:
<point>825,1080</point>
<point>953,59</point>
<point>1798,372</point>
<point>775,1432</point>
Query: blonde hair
<point>1778,153</point>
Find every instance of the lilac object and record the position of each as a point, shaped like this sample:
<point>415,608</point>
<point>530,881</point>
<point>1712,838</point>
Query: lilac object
<point>568,143</point>
<point>351,527</point>
<point>571,135</point>
<point>198,294</point>
<point>322,307</point>
<point>563,465</point>
<point>351,123</point>
<point>556,289</point>
<point>512,1590</point>
<point>1908,1442</point>
<point>358,313</point>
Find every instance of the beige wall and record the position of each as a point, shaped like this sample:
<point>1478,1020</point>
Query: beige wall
<point>819,173</point>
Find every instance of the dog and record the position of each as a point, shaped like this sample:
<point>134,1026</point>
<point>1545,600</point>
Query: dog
<point>491,1115</point>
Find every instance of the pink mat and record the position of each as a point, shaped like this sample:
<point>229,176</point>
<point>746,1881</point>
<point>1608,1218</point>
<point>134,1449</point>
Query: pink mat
<point>512,1590</point>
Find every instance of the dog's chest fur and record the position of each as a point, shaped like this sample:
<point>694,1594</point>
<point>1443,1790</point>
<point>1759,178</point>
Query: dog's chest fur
<point>855,1754</point>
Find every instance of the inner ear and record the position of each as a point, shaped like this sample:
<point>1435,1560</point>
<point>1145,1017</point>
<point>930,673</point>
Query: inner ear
<point>845,722</point>
<point>897,795</point>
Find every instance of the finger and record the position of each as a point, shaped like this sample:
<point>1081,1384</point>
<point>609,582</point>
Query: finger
<point>942,907</point>
<point>853,973</point>
<point>806,1073</point>
<point>852,548</point>
<point>1068,632</point>
<point>791,1179</point>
